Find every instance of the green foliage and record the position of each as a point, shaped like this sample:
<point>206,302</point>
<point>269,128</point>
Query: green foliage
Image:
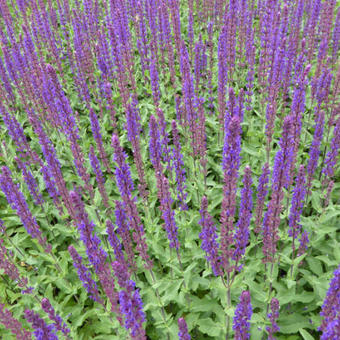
<point>192,292</point>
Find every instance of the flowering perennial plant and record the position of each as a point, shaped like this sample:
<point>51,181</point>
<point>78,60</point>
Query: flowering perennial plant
<point>161,162</point>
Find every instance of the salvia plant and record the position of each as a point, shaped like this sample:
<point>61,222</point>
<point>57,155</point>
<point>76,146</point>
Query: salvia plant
<point>169,169</point>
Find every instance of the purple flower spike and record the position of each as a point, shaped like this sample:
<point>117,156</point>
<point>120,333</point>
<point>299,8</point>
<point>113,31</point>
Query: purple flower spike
<point>332,330</point>
<point>42,331</point>
<point>304,240</point>
<point>114,242</point>
<point>168,213</point>
<point>17,201</point>
<point>314,151</point>
<point>230,165</point>
<point>131,304</point>
<point>242,317</point>
<point>99,176</point>
<point>125,186</point>
<point>30,181</point>
<point>241,235</point>
<point>273,316</point>
<point>94,251</point>
<point>177,158</point>
<point>123,231</point>
<point>183,330</point>
<point>280,179</point>
<point>209,238</point>
<point>85,275</point>
<point>58,322</point>
<point>9,267</point>
<point>299,193</point>
<point>262,191</point>
<point>330,310</point>
<point>155,144</point>
<point>332,155</point>
<point>12,324</point>
<point>123,174</point>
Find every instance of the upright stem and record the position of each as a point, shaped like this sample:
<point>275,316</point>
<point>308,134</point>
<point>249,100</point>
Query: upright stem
<point>293,255</point>
<point>12,243</point>
<point>324,151</point>
<point>196,177</point>
<point>159,300</point>
<point>171,269</point>
<point>270,285</point>
<point>228,305</point>
<point>180,266</point>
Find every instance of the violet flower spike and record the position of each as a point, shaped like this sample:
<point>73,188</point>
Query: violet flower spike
<point>58,322</point>
<point>299,193</point>
<point>114,242</point>
<point>168,213</point>
<point>183,333</point>
<point>155,145</point>
<point>333,153</point>
<point>177,159</point>
<point>314,151</point>
<point>241,236</point>
<point>131,304</point>
<point>124,233</point>
<point>42,331</point>
<point>17,201</point>
<point>9,268</point>
<point>123,173</point>
<point>85,276</point>
<point>330,310</point>
<point>209,238</point>
<point>230,165</point>
<point>99,176</point>
<point>125,186</point>
<point>242,317</point>
<point>12,324</point>
<point>94,251</point>
<point>303,240</point>
<point>30,181</point>
<point>280,179</point>
<point>262,191</point>
<point>273,316</point>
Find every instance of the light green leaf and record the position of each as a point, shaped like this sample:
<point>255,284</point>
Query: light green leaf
<point>305,334</point>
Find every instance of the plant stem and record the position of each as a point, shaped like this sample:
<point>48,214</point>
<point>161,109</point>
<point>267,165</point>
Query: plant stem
<point>270,285</point>
<point>228,306</point>
<point>159,301</point>
<point>293,254</point>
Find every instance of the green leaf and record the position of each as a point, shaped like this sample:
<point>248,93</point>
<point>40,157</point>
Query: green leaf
<point>305,297</point>
<point>210,327</point>
<point>80,320</point>
<point>292,323</point>
<point>315,265</point>
<point>290,283</point>
<point>325,218</point>
<point>305,334</point>
<point>205,305</point>
<point>285,296</point>
<point>171,291</point>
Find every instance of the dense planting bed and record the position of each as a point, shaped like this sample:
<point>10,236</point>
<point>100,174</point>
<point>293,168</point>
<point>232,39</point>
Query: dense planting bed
<point>169,169</point>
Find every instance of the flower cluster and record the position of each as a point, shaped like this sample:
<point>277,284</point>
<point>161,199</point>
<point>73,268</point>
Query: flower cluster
<point>242,317</point>
<point>330,310</point>
<point>42,331</point>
